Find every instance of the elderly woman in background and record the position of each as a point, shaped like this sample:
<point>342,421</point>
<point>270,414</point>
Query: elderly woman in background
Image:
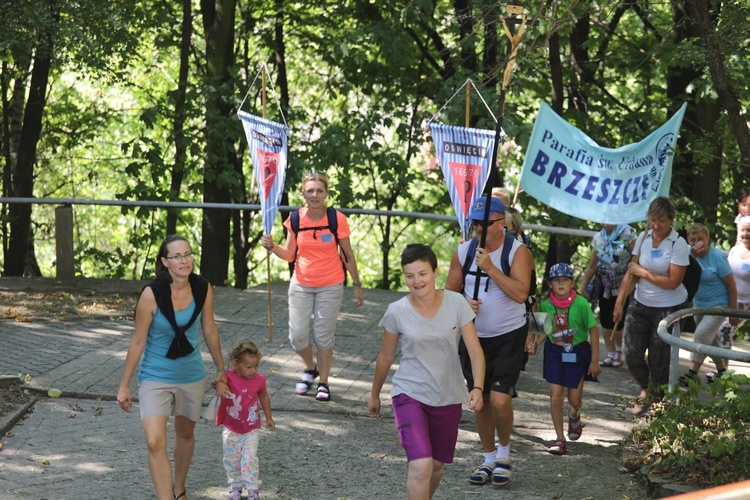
<point>717,289</point>
<point>660,259</point>
<point>739,261</point>
<point>613,248</point>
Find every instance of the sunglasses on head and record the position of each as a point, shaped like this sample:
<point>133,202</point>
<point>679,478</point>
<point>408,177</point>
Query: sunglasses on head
<point>313,175</point>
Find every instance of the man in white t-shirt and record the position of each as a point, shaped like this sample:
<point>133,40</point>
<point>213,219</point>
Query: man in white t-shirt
<point>501,327</point>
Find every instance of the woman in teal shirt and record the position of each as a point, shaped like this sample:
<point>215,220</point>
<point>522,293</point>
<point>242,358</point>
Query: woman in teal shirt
<point>171,381</point>
<point>717,289</point>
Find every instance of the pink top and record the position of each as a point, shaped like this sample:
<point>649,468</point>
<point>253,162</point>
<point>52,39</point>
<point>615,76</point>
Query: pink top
<point>241,412</point>
<point>318,262</point>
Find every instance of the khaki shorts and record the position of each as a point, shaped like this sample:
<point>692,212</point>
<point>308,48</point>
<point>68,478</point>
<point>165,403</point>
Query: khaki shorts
<point>321,304</point>
<point>164,399</point>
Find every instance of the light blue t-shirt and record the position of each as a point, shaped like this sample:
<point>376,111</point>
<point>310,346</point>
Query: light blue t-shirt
<point>156,366</point>
<point>712,290</point>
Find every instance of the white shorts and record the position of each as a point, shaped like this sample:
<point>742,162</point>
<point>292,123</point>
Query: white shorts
<point>164,399</point>
<point>322,304</point>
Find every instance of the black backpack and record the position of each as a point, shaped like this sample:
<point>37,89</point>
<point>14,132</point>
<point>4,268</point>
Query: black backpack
<point>333,223</point>
<point>692,278</point>
<point>333,226</point>
<point>504,266</point>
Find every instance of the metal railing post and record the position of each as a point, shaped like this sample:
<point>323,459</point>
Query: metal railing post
<point>674,361</point>
<point>64,264</point>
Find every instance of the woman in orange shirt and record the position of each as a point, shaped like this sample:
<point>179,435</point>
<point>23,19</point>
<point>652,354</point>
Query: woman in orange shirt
<point>316,289</point>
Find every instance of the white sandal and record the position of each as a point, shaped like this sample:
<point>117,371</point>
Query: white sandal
<point>608,361</point>
<point>617,361</point>
<point>613,359</point>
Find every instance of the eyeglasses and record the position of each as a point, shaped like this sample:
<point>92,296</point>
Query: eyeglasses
<point>177,258</point>
<point>475,222</point>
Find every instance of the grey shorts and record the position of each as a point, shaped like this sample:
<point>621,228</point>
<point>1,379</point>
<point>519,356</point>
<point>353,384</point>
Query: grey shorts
<point>164,399</point>
<point>319,304</point>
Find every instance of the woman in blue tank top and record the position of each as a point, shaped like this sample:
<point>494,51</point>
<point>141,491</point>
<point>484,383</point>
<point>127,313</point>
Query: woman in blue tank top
<point>165,348</point>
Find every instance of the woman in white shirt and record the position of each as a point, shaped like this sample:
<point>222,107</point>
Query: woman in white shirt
<point>739,261</point>
<point>660,259</point>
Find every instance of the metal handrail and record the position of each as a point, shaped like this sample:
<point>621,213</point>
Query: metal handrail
<point>678,343</point>
<point>284,208</point>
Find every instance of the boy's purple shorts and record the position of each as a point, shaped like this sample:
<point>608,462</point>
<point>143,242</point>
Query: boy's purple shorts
<point>426,431</point>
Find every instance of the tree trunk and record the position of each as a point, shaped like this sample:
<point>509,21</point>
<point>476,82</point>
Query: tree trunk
<point>23,176</point>
<point>707,178</point>
<point>679,77</point>
<point>579,59</point>
<point>241,245</point>
<point>728,96</point>
<point>280,43</point>
<point>692,175</point>
<point>218,24</point>
<point>386,252</point>
<point>491,52</point>
<point>556,73</point>
<point>178,124</point>
<point>12,124</point>
<point>464,16</point>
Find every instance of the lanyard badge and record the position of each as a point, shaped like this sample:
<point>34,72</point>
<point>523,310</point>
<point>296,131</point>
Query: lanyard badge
<point>561,321</point>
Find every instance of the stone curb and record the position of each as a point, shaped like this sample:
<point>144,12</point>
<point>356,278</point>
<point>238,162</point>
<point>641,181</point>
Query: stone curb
<point>655,486</point>
<point>9,421</point>
<point>6,380</point>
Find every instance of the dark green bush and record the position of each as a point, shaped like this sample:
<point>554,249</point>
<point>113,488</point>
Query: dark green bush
<point>702,438</point>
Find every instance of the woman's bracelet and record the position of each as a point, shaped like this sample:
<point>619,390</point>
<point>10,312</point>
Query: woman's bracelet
<point>477,387</point>
<point>357,283</point>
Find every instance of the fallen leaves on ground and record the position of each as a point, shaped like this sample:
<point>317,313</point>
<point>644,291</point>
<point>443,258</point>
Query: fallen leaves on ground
<point>23,306</point>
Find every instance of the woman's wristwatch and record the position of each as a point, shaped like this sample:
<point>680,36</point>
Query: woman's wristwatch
<point>357,283</point>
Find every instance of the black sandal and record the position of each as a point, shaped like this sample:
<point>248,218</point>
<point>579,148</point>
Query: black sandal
<point>304,383</point>
<point>324,394</point>
<point>177,497</point>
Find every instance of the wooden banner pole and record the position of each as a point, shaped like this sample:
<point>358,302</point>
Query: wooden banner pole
<point>268,259</point>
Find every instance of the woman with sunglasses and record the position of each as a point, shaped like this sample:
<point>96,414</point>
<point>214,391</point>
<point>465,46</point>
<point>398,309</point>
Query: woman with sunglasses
<point>172,375</point>
<point>316,289</point>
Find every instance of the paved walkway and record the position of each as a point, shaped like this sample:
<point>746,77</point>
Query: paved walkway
<point>94,450</point>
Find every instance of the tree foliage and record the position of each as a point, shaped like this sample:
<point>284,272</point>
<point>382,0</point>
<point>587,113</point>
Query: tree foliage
<point>141,98</point>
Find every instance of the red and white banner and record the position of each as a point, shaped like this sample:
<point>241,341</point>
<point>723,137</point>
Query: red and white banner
<point>465,155</point>
<point>268,146</point>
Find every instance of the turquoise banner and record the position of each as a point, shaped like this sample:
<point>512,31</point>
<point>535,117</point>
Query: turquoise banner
<point>567,170</point>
